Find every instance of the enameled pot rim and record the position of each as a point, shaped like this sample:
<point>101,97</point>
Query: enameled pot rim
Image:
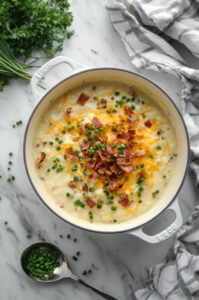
<point>112,69</point>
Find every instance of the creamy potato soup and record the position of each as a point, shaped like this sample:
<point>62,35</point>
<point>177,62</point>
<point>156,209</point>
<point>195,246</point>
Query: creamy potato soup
<point>104,152</point>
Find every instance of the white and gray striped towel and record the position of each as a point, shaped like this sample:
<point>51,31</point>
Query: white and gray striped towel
<point>146,27</point>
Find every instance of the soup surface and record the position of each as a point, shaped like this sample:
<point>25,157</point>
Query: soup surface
<point>104,152</point>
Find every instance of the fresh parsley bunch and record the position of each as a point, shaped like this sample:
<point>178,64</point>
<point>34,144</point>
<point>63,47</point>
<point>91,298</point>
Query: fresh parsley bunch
<point>30,25</point>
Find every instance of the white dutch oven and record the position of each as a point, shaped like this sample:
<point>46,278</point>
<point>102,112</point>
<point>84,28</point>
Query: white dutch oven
<point>81,75</point>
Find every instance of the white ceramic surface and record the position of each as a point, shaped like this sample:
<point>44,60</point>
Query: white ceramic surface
<point>119,262</point>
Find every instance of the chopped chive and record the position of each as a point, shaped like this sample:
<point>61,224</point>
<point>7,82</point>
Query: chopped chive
<point>114,129</point>
<point>113,208</point>
<point>75,178</point>
<point>158,147</point>
<point>74,168</point>
<point>84,272</point>
<point>18,123</point>
<point>74,258</point>
<point>79,203</point>
<point>140,180</point>
<point>154,194</point>
<point>90,213</point>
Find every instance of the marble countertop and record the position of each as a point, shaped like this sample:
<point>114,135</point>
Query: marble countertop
<point>118,262</point>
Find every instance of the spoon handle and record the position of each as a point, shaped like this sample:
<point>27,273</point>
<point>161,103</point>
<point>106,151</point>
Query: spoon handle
<point>106,296</point>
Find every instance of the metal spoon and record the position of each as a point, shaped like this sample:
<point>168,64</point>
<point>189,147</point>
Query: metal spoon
<point>59,273</point>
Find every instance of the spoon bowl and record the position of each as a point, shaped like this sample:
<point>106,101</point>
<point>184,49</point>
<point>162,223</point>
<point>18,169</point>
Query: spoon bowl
<point>59,272</point>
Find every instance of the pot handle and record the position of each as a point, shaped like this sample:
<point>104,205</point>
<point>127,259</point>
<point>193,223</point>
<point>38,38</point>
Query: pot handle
<point>41,72</point>
<point>166,233</point>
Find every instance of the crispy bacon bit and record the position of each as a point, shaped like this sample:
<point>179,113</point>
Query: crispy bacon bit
<point>82,128</point>
<point>128,168</point>
<point>75,139</point>
<point>131,116</point>
<point>91,176</point>
<point>90,202</point>
<point>71,154</point>
<point>132,119</point>
<point>139,153</point>
<point>110,150</point>
<point>90,165</point>
<point>123,161</point>
<point>86,125</point>
<point>127,153</point>
<point>98,164</point>
<point>114,169</point>
<point>132,144</point>
<point>132,92</point>
<point>140,175</point>
<point>85,188</point>
<point>121,134</point>
<point>104,170</point>
<point>72,185</point>
<point>97,123</point>
<point>40,160</point>
<point>104,156</point>
<point>67,114</point>
<point>101,104</point>
<point>128,110</point>
<point>148,123</point>
<point>85,145</point>
<point>131,131</point>
<point>114,184</point>
<point>124,200</point>
<point>82,99</point>
<point>98,138</point>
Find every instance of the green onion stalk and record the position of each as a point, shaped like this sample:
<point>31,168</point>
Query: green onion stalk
<point>10,66</point>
